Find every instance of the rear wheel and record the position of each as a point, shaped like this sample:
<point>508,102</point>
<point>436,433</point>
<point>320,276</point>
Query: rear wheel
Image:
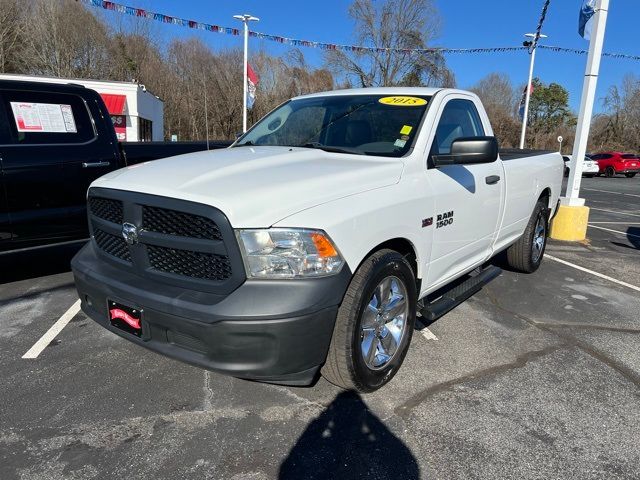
<point>526,254</point>
<point>374,324</point>
<point>629,175</point>
<point>609,172</point>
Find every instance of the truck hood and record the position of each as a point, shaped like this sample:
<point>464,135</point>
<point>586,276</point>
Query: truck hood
<point>257,186</point>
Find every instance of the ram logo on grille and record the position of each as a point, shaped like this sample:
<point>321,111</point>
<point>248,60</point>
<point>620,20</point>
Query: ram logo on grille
<point>130,233</point>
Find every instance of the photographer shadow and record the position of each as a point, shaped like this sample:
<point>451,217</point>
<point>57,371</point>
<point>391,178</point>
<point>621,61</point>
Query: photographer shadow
<point>348,441</point>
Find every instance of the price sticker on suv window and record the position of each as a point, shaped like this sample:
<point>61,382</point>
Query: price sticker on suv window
<point>43,117</point>
<point>403,101</point>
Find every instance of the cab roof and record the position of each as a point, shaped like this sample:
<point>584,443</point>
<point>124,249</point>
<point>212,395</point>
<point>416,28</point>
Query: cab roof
<point>421,91</point>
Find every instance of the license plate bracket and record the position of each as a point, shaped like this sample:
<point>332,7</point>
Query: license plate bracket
<point>124,317</point>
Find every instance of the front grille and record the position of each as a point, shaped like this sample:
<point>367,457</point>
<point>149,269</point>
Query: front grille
<point>180,243</point>
<point>182,224</point>
<point>113,245</point>
<point>205,266</point>
<point>106,208</point>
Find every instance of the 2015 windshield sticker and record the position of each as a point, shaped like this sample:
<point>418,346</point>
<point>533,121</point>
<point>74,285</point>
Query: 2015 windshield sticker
<point>402,101</point>
<point>444,219</point>
<point>406,130</point>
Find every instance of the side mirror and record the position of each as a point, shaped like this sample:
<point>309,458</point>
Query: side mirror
<point>468,151</point>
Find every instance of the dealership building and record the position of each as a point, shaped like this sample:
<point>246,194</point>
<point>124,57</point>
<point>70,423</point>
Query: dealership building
<point>137,114</point>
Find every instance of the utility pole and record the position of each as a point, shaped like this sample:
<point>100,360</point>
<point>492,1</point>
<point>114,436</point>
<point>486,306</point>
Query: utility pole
<point>586,105</point>
<point>533,45</point>
<point>245,19</point>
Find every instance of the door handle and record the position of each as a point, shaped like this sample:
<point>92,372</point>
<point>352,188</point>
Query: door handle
<point>95,164</point>
<point>492,179</point>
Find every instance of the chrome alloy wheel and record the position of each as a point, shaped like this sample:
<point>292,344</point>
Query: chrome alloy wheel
<point>539,239</point>
<point>384,322</point>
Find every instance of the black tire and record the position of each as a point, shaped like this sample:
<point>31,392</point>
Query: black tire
<point>345,365</point>
<point>629,175</point>
<point>566,172</point>
<point>609,172</point>
<point>521,255</point>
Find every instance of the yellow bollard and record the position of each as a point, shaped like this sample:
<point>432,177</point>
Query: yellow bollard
<point>570,223</point>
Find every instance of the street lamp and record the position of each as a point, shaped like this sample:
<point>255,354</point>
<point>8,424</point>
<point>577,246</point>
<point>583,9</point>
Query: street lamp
<point>530,43</point>
<point>245,19</point>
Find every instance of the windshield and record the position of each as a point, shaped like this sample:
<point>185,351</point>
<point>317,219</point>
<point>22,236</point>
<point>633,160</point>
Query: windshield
<point>360,124</point>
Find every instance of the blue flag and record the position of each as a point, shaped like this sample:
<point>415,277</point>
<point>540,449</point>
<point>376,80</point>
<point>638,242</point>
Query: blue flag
<point>585,22</point>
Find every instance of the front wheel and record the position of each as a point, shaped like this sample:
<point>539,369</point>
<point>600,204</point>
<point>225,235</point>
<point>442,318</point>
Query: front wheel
<point>609,172</point>
<point>374,325</point>
<point>629,175</point>
<point>526,254</point>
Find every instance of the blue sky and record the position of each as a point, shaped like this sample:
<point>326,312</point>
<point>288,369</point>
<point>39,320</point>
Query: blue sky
<point>465,23</point>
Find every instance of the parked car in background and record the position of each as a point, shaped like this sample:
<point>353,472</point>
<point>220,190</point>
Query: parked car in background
<point>54,141</point>
<point>590,167</point>
<point>612,163</point>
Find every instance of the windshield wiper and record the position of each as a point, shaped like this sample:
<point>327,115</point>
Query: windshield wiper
<point>245,144</point>
<point>328,148</point>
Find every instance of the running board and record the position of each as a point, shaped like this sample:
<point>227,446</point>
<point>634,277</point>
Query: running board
<point>458,294</point>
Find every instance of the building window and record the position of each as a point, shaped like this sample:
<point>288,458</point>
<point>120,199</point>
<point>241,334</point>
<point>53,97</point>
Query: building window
<point>145,130</point>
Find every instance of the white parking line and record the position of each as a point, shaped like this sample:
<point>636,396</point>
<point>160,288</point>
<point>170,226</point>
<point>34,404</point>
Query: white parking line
<point>605,277</point>
<point>428,334</point>
<point>425,332</point>
<point>614,223</point>
<point>613,211</point>
<point>609,191</point>
<point>615,231</point>
<point>53,332</point>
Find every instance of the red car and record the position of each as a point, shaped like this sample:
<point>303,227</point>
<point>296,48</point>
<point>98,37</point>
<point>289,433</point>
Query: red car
<point>611,163</point>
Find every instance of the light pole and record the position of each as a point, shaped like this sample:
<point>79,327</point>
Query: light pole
<point>245,19</point>
<point>525,117</point>
<point>572,218</point>
<point>586,105</point>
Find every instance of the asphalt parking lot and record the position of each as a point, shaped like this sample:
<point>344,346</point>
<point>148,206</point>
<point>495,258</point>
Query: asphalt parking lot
<point>536,376</point>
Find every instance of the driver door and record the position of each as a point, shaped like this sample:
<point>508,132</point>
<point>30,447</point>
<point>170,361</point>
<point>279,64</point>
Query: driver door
<point>468,198</point>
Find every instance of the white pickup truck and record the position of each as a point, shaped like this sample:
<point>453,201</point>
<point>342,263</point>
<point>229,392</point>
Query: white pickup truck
<point>309,246</point>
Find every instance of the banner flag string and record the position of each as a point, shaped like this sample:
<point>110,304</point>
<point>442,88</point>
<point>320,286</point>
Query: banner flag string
<point>159,17</point>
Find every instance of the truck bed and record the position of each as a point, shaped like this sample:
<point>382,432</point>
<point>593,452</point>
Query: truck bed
<point>515,153</point>
<point>138,152</point>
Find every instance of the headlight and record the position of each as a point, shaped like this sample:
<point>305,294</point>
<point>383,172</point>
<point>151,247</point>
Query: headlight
<point>288,253</point>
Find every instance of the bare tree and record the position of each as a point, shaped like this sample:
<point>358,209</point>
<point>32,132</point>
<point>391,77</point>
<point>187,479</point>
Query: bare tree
<point>65,40</point>
<point>10,31</point>
<point>499,99</point>
<point>392,28</point>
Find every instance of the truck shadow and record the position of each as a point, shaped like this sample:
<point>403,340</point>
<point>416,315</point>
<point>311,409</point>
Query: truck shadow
<point>348,441</point>
<point>37,263</point>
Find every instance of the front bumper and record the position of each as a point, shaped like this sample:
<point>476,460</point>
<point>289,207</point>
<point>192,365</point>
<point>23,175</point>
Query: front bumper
<point>267,330</point>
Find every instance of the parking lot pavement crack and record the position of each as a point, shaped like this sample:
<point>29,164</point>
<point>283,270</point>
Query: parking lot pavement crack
<point>208,392</point>
<point>587,326</point>
<point>570,340</point>
<point>405,408</point>
<point>297,397</point>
